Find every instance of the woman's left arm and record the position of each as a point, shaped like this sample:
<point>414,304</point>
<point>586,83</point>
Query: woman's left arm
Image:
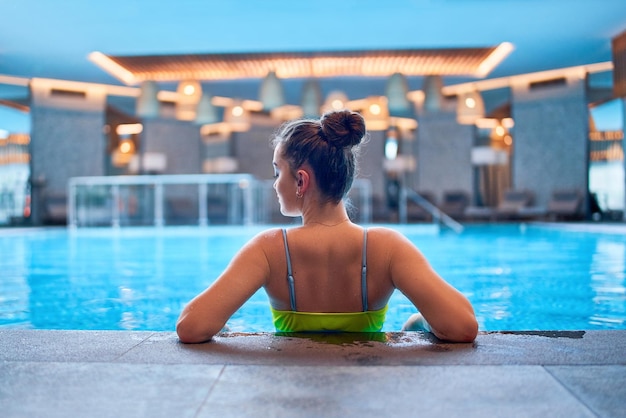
<point>449,314</point>
<point>206,314</point>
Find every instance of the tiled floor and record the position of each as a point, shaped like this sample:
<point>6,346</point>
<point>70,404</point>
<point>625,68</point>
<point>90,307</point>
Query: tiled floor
<point>144,374</point>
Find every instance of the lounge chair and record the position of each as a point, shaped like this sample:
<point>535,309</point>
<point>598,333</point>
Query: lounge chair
<point>565,204</point>
<point>454,203</point>
<point>518,204</point>
<point>515,205</point>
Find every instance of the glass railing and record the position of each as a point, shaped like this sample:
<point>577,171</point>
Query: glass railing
<point>160,200</point>
<point>14,193</point>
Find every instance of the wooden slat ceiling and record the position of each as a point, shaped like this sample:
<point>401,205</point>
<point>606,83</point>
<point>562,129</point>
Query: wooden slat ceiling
<point>371,63</point>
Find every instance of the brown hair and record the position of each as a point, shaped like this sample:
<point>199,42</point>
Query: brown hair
<point>329,145</point>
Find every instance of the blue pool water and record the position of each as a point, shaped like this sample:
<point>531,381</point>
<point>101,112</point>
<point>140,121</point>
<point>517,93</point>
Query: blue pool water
<point>518,277</point>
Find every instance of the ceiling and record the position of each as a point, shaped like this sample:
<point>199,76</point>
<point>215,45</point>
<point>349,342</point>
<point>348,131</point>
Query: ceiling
<point>303,65</point>
<point>52,39</point>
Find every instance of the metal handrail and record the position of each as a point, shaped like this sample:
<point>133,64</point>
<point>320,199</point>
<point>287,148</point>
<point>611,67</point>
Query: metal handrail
<point>438,215</point>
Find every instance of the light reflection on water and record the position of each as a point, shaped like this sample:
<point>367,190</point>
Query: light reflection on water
<point>607,282</point>
<point>529,278</point>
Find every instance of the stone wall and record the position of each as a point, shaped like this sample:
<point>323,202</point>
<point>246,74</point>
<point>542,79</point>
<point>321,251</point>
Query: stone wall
<point>179,141</point>
<point>253,151</point>
<point>443,153</point>
<point>550,148</point>
<point>67,140</point>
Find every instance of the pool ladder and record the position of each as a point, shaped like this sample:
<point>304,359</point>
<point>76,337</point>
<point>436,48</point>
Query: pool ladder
<point>438,215</point>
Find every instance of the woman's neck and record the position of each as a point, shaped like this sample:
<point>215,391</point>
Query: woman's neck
<point>328,214</point>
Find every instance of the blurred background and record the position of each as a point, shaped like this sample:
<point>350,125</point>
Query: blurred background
<point>141,113</point>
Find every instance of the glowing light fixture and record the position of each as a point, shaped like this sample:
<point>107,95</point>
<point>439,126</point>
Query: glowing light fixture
<point>126,147</point>
<point>311,99</point>
<point>271,93</point>
<point>336,100</point>
<point>433,99</point>
<point>405,125</point>
<point>497,126</point>
<point>375,113</point>
<point>189,94</point>
<point>189,89</point>
<point>508,123</point>
<point>237,117</point>
<point>500,133</point>
<point>206,112</point>
<point>336,104</point>
<point>286,112</point>
<point>470,108</point>
<point>124,152</point>
<point>397,91</point>
<point>237,111</point>
<point>126,129</point>
<point>486,123</point>
<point>147,105</point>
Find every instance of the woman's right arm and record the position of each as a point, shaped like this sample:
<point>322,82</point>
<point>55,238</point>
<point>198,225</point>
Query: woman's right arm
<point>447,311</point>
<point>208,312</point>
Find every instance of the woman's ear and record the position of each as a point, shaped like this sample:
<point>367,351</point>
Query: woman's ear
<point>303,180</point>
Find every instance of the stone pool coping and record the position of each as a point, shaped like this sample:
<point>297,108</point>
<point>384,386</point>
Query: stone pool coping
<point>119,374</point>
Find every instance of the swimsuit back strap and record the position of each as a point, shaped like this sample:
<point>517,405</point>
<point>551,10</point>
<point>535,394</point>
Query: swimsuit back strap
<point>290,283</point>
<point>364,272</point>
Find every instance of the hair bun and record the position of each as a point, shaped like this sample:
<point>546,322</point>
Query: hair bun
<point>343,128</point>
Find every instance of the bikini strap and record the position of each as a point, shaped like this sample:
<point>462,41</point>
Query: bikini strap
<point>290,283</point>
<point>364,272</point>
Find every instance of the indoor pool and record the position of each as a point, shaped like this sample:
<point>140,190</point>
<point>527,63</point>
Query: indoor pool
<point>517,276</point>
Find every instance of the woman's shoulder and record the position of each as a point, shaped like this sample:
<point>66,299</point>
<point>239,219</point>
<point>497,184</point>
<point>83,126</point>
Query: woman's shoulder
<point>386,239</point>
<point>384,233</point>
<point>267,235</point>
<point>263,240</point>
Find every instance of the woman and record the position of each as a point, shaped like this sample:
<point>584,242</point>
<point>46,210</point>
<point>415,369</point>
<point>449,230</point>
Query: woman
<point>328,274</point>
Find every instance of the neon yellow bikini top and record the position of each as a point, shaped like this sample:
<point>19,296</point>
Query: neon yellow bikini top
<point>294,321</point>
